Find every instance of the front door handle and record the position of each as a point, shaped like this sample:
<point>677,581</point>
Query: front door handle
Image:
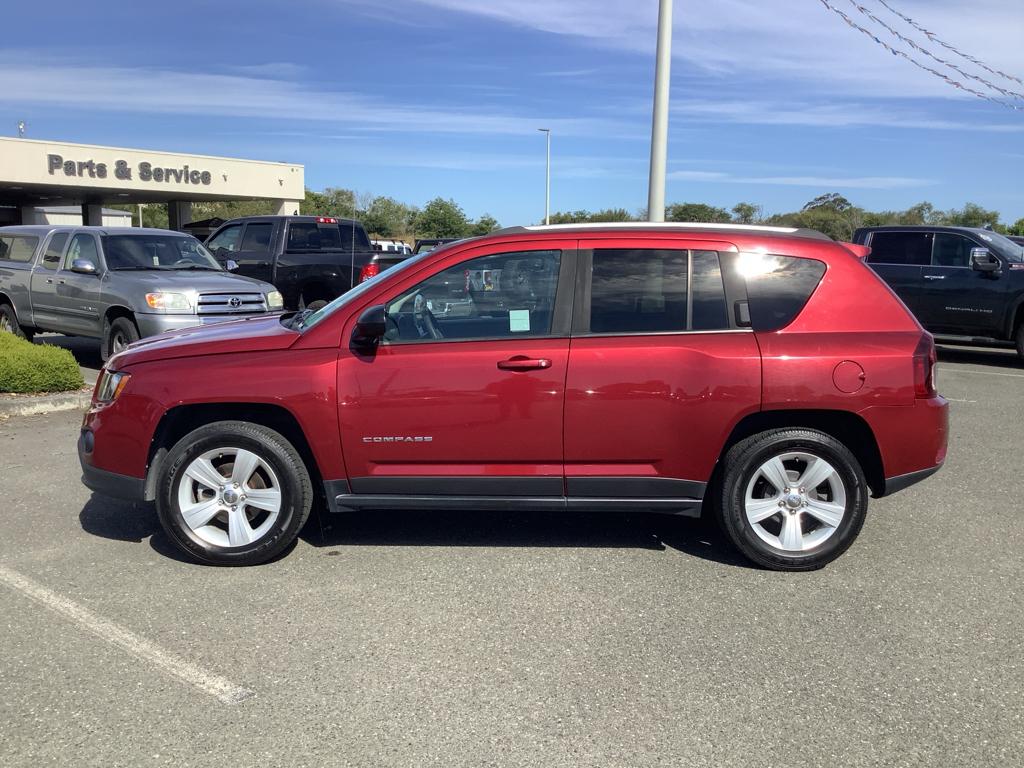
<point>49,280</point>
<point>523,363</point>
<point>934,277</point>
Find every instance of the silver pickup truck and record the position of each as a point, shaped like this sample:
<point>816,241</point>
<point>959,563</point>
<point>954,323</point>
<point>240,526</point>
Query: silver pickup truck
<point>118,284</point>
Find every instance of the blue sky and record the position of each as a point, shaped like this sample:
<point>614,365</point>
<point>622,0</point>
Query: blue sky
<point>773,102</point>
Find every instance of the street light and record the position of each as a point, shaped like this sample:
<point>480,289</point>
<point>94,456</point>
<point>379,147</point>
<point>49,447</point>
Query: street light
<point>547,177</point>
<point>659,124</point>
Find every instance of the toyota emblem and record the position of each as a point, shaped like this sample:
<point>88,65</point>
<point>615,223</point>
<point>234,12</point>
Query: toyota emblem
<point>235,302</point>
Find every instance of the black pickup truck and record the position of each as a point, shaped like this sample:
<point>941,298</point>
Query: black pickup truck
<point>965,285</point>
<point>309,259</point>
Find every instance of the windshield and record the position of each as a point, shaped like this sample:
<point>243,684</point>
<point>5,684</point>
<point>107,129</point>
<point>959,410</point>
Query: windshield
<point>156,252</point>
<point>306,321</point>
<point>1003,245</point>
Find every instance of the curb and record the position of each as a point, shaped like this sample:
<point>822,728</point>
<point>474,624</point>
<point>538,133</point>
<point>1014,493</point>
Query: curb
<point>36,404</point>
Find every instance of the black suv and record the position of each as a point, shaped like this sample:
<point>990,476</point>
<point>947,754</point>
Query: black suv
<point>962,283</point>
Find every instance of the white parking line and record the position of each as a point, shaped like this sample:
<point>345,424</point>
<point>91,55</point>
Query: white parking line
<point>207,682</point>
<point>984,373</point>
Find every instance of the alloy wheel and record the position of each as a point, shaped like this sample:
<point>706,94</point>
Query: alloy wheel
<point>229,497</point>
<point>795,501</point>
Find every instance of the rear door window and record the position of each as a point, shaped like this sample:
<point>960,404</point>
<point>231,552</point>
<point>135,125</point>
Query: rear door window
<point>913,248</point>
<point>656,291</point>
<point>257,237</point>
<point>17,248</point>
<point>51,259</point>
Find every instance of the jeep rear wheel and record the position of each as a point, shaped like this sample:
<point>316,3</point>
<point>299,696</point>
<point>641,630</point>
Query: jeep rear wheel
<point>233,493</point>
<point>792,499</point>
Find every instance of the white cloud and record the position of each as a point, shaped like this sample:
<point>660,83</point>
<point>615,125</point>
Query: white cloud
<point>163,91</point>
<point>830,182</point>
<point>776,40</point>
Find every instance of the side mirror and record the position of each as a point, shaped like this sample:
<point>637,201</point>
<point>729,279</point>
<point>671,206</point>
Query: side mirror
<point>83,267</point>
<point>230,265</point>
<point>370,327</point>
<point>983,261</point>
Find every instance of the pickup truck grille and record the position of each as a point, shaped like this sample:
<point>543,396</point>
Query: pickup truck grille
<point>232,303</point>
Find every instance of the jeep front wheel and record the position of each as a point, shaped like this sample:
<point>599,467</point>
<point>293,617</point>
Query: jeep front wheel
<point>233,493</point>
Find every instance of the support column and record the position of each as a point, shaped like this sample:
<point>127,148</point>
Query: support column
<point>179,213</point>
<point>286,207</point>
<point>29,216</point>
<point>92,214</point>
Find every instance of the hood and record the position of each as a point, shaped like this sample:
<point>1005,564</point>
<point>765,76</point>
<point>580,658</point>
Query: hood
<point>184,280</point>
<point>253,334</point>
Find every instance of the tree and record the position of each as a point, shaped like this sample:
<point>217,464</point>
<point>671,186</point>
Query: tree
<point>747,213</point>
<point>484,225</point>
<point>333,201</point>
<point>971,215</point>
<point>442,218</point>
<point>697,212</point>
<point>1017,228</point>
<point>832,200</point>
<point>388,218</point>
<point>570,217</point>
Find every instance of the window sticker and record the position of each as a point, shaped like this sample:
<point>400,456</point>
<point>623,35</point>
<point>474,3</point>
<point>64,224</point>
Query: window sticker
<point>518,320</point>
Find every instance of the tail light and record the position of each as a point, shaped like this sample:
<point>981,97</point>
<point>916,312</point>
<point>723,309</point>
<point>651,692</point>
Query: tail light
<point>924,367</point>
<point>369,270</point>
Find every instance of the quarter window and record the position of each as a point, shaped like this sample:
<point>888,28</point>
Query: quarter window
<point>656,291</point>
<point>778,287</point>
<point>914,248</point>
<point>504,295</point>
<point>17,248</point>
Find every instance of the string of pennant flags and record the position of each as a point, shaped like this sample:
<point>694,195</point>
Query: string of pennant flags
<point>935,39</point>
<point>931,70</point>
<point>895,33</point>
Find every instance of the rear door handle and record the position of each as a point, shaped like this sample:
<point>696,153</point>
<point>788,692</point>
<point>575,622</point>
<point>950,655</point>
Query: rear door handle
<point>523,363</point>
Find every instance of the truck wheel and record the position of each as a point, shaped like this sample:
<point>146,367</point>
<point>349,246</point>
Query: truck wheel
<point>1020,340</point>
<point>119,334</point>
<point>9,323</point>
<point>233,493</point>
<point>792,499</point>
<point>313,306</point>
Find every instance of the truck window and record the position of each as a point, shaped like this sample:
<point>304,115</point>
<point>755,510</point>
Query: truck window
<point>257,237</point>
<point>227,239</point>
<point>51,259</point>
<point>952,250</point>
<point>913,248</point>
<point>310,236</point>
<point>17,248</point>
<point>82,247</point>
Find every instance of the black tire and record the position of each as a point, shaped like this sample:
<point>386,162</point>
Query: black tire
<point>117,335</point>
<point>741,466</point>
<point>296,492</point>
<point>9,323</point>
<point>1019,338</point>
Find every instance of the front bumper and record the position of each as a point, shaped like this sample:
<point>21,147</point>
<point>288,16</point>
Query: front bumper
<point>154,324</point>
<point>103,482</point>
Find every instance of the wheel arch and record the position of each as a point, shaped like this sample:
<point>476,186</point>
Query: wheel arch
<point>118,310</point>
<point>182,419</point>
<point>845,426</point>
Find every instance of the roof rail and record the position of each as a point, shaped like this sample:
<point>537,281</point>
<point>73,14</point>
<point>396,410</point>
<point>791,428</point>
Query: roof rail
<point>667,226</point>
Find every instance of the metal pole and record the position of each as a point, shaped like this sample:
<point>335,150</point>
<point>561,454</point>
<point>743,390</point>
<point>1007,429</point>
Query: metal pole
<point>659,126</point>
<point>547,177</point>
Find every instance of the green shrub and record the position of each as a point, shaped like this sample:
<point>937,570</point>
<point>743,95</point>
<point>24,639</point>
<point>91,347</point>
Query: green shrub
<point>28,367</point>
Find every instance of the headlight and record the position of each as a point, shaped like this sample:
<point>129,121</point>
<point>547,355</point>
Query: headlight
<point>110,385</point>
<point>162,300</point>
<point>275,300</point>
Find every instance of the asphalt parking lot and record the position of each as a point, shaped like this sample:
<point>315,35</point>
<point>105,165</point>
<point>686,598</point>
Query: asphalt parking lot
<point>521,640</point>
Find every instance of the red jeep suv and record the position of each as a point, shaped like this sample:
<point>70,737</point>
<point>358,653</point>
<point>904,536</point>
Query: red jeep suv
<point>765,375</point>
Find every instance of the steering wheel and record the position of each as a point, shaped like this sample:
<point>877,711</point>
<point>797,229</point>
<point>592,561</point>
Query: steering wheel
<point>424,318</point>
